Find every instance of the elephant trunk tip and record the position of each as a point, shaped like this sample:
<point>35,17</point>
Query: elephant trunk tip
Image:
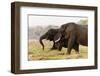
<point>41,42</point>
<point>43,48</point>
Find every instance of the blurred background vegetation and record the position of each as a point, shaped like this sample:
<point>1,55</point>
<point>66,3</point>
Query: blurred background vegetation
<point>36,32</point>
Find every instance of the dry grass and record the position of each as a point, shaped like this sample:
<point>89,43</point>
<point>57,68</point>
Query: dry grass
<point>35,52</point>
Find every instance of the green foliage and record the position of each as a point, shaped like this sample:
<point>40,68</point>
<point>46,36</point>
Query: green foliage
<point>83,22</point>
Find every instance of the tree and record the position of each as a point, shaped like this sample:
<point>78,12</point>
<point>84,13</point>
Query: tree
<point>83,22</point>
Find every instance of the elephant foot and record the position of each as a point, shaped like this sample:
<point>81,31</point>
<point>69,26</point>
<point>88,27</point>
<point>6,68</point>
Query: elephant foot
<point>52,48</point>
<point>68,53</point>
<point>77,52</point>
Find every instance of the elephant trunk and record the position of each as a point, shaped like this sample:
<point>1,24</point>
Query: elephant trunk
<point>41,42</point>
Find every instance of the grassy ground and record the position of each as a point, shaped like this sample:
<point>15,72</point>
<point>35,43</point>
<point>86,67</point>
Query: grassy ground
<point>35,52</point>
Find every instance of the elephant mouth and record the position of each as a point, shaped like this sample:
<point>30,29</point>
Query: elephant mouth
<point>57,40</point>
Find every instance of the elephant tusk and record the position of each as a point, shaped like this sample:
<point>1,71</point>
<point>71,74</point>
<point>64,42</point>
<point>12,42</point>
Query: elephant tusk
<point>57,39</point>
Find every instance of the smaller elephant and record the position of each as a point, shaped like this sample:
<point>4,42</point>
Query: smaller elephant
<point>49,35</point>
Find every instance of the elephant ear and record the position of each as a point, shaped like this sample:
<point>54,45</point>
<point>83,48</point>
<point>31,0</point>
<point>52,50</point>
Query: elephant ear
<point>63,28</point>
<point>60,33</point>
<point>57,37</point>
<point>69,30</point>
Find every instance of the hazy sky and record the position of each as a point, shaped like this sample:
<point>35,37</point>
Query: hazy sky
<point>39,20</point>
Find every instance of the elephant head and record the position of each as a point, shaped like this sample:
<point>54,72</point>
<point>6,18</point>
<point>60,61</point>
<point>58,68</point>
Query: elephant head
<point>61,32</point>
<point>49,35</point>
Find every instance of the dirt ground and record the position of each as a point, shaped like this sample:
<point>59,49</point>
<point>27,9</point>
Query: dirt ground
<point>35,52</point>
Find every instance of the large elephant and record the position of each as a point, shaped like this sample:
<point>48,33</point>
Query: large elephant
<point>49,35</point>
<point>74,33</point>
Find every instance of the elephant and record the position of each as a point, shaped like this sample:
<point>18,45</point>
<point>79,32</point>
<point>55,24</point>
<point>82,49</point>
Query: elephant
<point>63,42</point>
<point>49,35</point>
<point>74,33</point>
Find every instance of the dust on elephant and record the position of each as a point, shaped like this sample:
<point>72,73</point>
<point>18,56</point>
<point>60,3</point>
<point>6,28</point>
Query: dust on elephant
<point>75,33</point>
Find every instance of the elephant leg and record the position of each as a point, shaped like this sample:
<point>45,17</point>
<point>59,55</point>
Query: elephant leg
<point>53,47</point>
<point>71,41</point>
<point>60,47</point>
<point>76,47</point>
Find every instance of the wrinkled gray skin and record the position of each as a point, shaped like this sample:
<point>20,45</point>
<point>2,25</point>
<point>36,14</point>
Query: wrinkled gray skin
<point>74,33</point>
<point>49,35</point>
